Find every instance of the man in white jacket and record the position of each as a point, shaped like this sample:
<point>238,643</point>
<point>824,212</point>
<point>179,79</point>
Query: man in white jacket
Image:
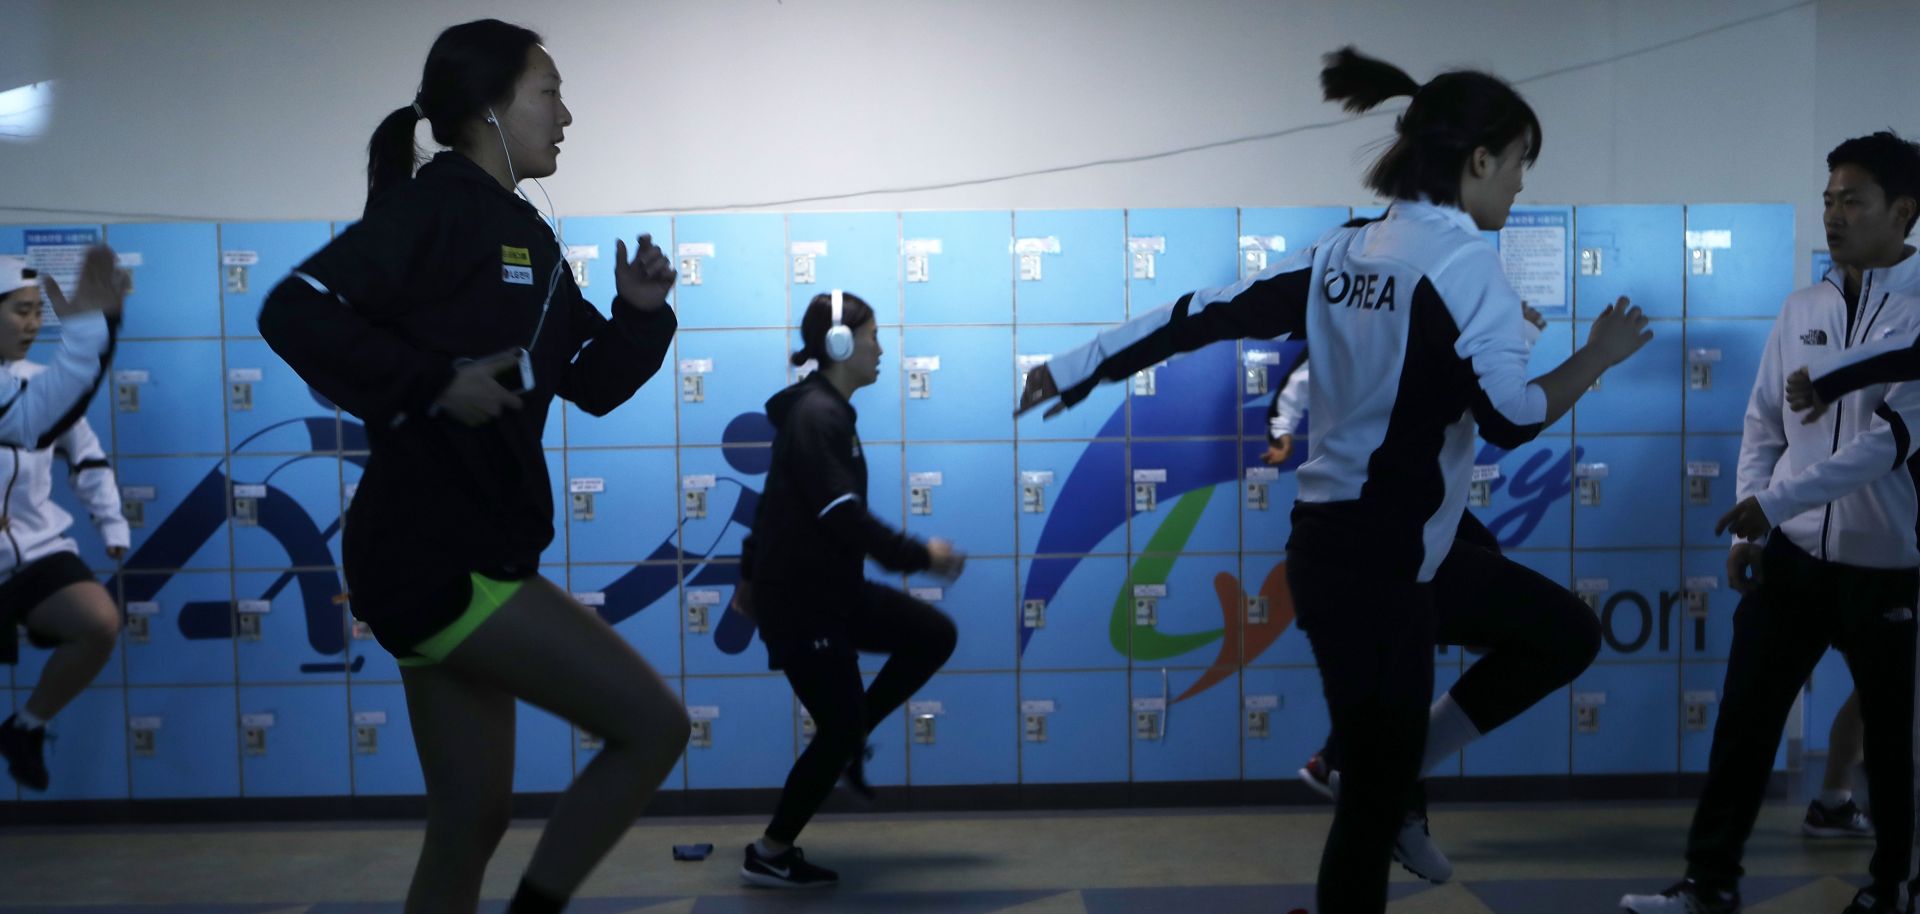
<point>1826,551</point>
<point>44,585</point>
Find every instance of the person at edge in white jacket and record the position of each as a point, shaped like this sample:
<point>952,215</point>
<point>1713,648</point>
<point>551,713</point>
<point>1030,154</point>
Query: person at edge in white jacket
<point>1826,552</point>
<point>45,587</point>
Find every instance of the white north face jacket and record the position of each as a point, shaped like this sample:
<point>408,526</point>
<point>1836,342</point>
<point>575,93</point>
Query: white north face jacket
<point>32,526</point>
<point>1842,488</point>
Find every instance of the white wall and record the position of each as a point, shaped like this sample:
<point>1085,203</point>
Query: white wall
<point>261,110</point>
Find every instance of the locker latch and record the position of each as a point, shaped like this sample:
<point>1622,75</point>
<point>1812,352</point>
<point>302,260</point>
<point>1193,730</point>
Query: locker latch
<point>696,619</point>
<point>1257,498</point>
<point>1695,710</point>
<point>246,511</point>
<point>127,397</point>
<point>920,499</point>
<point>690,271</point>
<point>1591,262</point>
<point>1146,725</point>
<point>919,384</point>
<point>1700,261</point>
<point>923,729</point>
<point>1257,613</point>
<point>1146,496</point>
<point>146,741</point>
<point>1033,613</point>
<point>240,396</point>
<point>249,626</point>
<point>693,388</point>
<point>1030,269</point>
<point>1258,724</point>
<point>1146,611</point>
<point>579,272</point>
<point>1480,493</point>
<point>1699,375</point>
<point>1256,379</point>
<point>1589,492</point>
<point>1144,252</point>
<point>254,740</point>
<point>1146,382</point>
<point>366,739</point>
<point>1253,259</point>
<point>696,503</point>
<point>804,273</point>
<point>1035,728</point>
<point>1033,498</point>
<point>135,512</point>
<point>1699,490</point>
<point>583,506</point>
<point>918,267</point>
<point>1587,718</point>
<point>138,629</point>
<point>236,280</point>
<point>1696,603</point>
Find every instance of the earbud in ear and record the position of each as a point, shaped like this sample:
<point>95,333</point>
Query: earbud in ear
<point>491,119</point>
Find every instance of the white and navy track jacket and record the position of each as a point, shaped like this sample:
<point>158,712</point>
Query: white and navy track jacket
<point>1416,338</point>
<point>32,526</point>
<point>1290,404</point>
<point>1840,488</point>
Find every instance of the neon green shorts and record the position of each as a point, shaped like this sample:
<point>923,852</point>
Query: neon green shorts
<point>489,594</point>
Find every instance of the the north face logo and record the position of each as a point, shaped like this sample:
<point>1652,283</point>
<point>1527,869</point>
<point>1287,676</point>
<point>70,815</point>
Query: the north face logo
<point>1814,337</point>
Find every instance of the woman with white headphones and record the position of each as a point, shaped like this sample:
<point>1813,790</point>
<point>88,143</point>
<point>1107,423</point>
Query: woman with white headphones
<point>808,589</point>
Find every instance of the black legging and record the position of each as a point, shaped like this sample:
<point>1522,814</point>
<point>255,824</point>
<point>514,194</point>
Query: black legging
<point>918,638</point>
<point>1373,639</point>
<point>1536,635</point>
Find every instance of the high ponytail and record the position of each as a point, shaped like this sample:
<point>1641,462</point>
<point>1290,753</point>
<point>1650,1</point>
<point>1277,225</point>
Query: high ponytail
<point>1360,82</point>
<point>1447,120</point>
<point>471,67</point>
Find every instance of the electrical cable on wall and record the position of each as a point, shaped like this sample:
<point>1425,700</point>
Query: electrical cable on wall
<point>1052,170</point>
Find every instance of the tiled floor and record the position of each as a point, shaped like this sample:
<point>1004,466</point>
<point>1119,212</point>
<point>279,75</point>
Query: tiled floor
<point>1526,859</point>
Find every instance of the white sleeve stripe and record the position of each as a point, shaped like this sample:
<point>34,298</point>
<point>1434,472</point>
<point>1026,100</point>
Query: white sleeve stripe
<point>317,285</point>
<point>837,503</point>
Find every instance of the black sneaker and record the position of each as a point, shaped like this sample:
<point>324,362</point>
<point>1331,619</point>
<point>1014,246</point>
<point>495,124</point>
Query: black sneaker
<point>786,871</point>
<point>24,750</point>
<point>1685,897</point>
<point>1843,821</point>
<point>1872,900</point>
<point>855,777</point>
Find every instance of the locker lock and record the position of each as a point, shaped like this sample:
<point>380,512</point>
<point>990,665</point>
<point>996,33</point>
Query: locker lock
<point>918,267</point>
<point>146,741</point>
<point>1480,493</point>
<point>583,506</point>
<point>1699,375</point>
<point>1589,492</point>
<point>1035,728</point>
<point>1256,379</point>
<point>1257,497</point>
<point>249,626</point>
<point>1253,259</point>
<point>1033,614</point>
<point>1146,496</point>
<point>1146,725</point>
<point>579,272</point>
<point>134,511</point>
<point>923,729</point>
<point>1259,723</point>
<point>702,734</point>
<point>1700,261</point>
<point>1591,262</point>
<point>693,388</point>
<point>240,396</point>
<point>697,618</point>
<point>1587,718</point>
<point>588,742</point>
<point>1030,269</point>
<point>1699,490</point>
<point>246,511</point>
<point>138,629</point>
<point>696,503</point>
<point>1146,382</point>
<point>254,740</point>
<point>1144,266</point>
<point>366,739</point>
<point>919,384</point>
<point>1146,611</point>
<point>920,499</point>
<point>1033,498</point>
<point>126,397</point>
<point>1257,613</point>
<point>236,280</point>
<point>1695,712</point>
<point>804,272</point>
<point>1696,603</point>
<point>690,271</point>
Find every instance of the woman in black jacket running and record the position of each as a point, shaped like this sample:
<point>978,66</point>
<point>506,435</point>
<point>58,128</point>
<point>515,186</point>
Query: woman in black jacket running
<point>809,592</point>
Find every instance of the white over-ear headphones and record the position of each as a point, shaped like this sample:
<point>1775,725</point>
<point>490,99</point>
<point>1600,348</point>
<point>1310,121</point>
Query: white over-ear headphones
<point>839,341</point>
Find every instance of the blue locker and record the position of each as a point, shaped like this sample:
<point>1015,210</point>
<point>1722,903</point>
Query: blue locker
<point>167,398</point>
<point>724,380</point>
<point>254,258</point>
<point>1190,395</point>
<point>385,762</point>
<point>719,641</point>
<point>1171,252</point>
<point>1625,490</point>
<point>962,730</point>
<point>184,496</point>
<point>886,482</point>
<point>288,627</point>
<point>270,409</point>
<point>1555,565</point>
<point>1638,251</point>
<point>1624,719</point>
<point>180,629</point>
<point>1073,497</point>
<point>1533,743</point>
<point>1701,688</point>
<point>1195,482</point>
<point>1706,626</point>
<point>1723,359</point>
<point>284,511</point>
<point>1070,266</point>
<point>87,754</point>
<point>1270,234</point>
<point>561,488</point>
<point>294,741</point>
<point>1279,640</point>
<point>1103,414</point>
<point>857,252</point>
<point>1712,475</point>
<point>964,492</point>
<point>1068,608</point>
<point>33,660</point>
<point>646,418</point>
<point>719,493</point>
<point>1265,366</point>
<point>879,403</point>
<point>958,385</point>
<point>983,604</point>
<point>185,742</point>
<point>1074,727</point>
<point>634,601</point>
<point>621,505</point>
<point>1184,737</point>
<point>1555,344</point>
<point>751,732</point>
<point>176,279</point>
<point>733,270</point>
<point>1267,494</point>
<point>1283,721</point>
<point>1174,608</point>
<point>1638,597</point>
<point>1525,496</point>
<point>958,267</point>
<point>542,751</point>
<point>1740,259</point>
<point>1641,395</point>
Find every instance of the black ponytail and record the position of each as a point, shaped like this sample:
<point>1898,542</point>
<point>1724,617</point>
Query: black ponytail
<point>818,319</point>
<point>1447,120</point>
<point>471,67</point>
